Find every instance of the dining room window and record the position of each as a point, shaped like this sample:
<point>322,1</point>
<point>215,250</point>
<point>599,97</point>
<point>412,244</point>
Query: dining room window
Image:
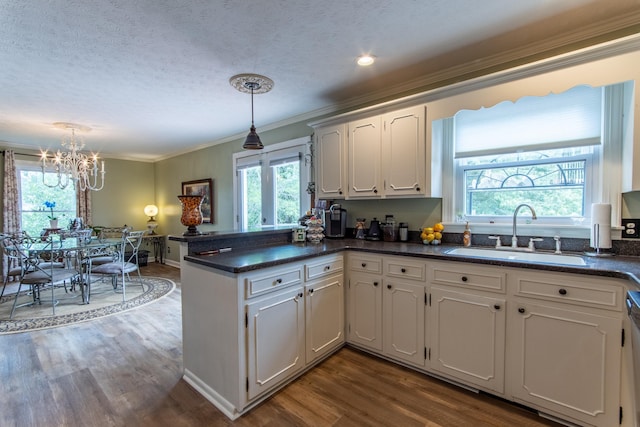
<point>271,185</point>
<point>33,194</point>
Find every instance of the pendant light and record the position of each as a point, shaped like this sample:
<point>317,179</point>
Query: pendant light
<point>253,84</point>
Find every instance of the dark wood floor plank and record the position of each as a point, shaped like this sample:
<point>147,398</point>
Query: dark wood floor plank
<point>126,370</point>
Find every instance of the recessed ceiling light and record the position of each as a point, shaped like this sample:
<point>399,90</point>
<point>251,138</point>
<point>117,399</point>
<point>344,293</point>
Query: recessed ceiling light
<point>366,60</point>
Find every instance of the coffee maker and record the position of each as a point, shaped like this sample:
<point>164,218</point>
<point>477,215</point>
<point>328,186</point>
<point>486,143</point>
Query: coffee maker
<point>335,222</point>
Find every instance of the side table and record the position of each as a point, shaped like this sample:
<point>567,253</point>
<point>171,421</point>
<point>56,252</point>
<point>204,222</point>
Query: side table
<point>159,242</point>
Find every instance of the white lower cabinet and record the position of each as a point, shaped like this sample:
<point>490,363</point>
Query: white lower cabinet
<point>468,337</point>
<point>566,345</point>
<point>403,307</point>
<point>387,306</point>
<point>567,363</point>
<point>247,334</point>
<point>467,316</point>
<point>365,310</point>
<point>324,314</point>
<point>275,339</point>
<point>404,300</point>
<point>549,340</point>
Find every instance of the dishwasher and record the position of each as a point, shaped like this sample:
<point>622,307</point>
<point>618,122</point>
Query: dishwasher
<point>633,308</point>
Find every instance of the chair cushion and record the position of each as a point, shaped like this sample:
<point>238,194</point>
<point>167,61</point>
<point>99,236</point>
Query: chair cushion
<point>15,271</point>
<point>115,268</point>
<point>41,277</point>
<point>104,259</point>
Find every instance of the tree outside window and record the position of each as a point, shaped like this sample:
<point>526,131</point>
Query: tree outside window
<point>34,194</point>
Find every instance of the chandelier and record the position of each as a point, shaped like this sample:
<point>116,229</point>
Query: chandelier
<point>73,165</point>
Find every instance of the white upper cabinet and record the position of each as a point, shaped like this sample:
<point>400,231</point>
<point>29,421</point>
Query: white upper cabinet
<point>365,143</point>
<point>331,178</point>
<point>379,156</point>
<point>403,152</point>
<point>386,156</point>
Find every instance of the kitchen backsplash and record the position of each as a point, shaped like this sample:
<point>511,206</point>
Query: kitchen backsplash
<point>628,247</point>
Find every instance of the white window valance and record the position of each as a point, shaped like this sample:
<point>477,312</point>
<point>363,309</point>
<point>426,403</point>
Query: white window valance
<point>568,119</point>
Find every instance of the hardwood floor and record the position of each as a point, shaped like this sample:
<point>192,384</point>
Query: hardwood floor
<point>125,370</point>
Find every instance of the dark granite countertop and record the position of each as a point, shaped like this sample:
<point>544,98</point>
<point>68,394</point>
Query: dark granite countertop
<point>248,259</point>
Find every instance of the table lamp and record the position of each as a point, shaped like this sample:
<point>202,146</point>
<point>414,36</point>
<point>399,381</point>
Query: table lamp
<point>151,211</point>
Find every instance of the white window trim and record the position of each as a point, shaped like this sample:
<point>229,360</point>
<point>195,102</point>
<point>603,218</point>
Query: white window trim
<point>34,166</point>
<point>606,184</point>
<point>273,152</point>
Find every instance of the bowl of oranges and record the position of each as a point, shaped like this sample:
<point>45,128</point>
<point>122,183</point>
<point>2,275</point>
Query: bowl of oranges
<point>432,235</point>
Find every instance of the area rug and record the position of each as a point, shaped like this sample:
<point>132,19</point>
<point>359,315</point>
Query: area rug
<point>69,309</point>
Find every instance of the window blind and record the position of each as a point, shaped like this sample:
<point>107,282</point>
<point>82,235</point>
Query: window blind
<point>569,119</point>
<point>281,157</point>
<point>247,162</point>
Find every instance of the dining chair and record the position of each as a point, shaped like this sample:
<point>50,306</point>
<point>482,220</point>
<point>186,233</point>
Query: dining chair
<point>123,262</point>
<point>105,234</point>
<point>14,256</point>
<point>16,248</point>
<point>38,274</point>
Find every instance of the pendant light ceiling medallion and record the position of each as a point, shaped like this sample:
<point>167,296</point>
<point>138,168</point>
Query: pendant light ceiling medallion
<point>253,84</point>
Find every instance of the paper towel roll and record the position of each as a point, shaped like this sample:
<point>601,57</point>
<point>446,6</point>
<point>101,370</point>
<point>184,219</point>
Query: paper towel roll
<point>601,226</point>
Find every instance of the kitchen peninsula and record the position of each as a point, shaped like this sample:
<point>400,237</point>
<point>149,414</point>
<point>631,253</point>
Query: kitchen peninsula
<point>539,334</point>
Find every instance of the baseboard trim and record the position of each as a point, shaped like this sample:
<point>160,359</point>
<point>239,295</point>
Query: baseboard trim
<point>226,407</point>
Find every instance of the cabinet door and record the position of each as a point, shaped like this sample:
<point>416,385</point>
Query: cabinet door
<point>403,307</point>
<point>567,362</point>
<point>365,140</point>
<point>365,310</point>
<point>324,316</point>
<point>404,152</point>
<point>331,162</point>
<point>275,339</point>
<point>468,337</point>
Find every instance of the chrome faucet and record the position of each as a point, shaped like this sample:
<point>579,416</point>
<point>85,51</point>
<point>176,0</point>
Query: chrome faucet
<point>514,239</point>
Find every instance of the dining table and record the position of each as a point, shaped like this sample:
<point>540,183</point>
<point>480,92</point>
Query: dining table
<point>74,252</point>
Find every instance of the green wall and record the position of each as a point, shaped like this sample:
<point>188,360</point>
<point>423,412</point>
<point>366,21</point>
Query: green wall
<point>214,162</point>
<point>417,213</point>
<point>631,205</point>
<point>129,187</point>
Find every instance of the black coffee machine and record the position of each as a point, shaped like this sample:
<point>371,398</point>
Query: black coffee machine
<point>335,222</point>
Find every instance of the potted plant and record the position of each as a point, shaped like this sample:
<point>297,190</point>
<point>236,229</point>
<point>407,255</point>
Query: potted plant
<point>53,220</point>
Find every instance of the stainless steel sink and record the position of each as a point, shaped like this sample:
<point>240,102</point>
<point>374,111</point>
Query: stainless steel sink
<point>519,256</point>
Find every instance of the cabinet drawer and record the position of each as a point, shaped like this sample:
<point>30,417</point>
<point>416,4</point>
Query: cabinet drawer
<point>406,269</point>
<point>371,265</point>
<point>469,277</point>
<point>587,292</point>
<point>324,267</point>
<point>276,279</point>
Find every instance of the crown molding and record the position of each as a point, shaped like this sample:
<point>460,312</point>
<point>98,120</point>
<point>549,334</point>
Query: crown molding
<point>599,40</point>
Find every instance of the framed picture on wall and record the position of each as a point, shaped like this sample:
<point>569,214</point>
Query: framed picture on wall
<point>201,187</point>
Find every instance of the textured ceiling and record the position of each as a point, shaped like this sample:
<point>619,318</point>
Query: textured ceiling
<point>151,77</point>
